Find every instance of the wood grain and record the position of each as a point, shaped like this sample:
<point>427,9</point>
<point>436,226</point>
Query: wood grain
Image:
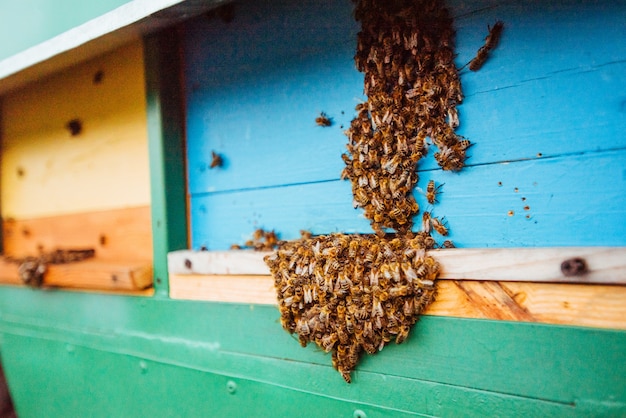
<point>89,274</point>
<point>119,234</point>
<point>561,201</point>
<point>45,171</point>
<point>599,306</point>
<point>255,115</point>
<point>605,264</point>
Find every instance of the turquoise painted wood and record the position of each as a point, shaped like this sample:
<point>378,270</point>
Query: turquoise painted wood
<point>27,23</point>
<point>159,357</point>
<point>166,148</point>
<point>570,200</point>
<point>546,113</point>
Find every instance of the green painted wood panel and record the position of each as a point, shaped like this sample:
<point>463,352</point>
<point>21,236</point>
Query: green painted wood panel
<point>166,150</point>
<point>448,367</point>
<point>44,19</point>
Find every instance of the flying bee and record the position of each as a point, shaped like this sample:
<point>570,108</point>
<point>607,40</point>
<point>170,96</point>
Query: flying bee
<point>439,225</point>
<point>432,191</point>
<point>323,120</point>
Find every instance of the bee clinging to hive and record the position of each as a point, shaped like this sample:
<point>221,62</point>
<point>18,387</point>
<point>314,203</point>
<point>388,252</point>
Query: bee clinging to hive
<point>323,120</point>
<point>334,291</point>
<point>491,41</point>
<point>355,293</point>
<point>405,50</point>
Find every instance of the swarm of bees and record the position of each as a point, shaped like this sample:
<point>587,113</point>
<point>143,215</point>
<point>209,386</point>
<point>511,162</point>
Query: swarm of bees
<point>261,240</point>
<point>405,49</point>
<point>349,293</point>
<point>32,269</point>
<point>355,293</point>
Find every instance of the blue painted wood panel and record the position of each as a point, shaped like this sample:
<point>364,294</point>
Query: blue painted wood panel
<point>547,114</point>
<point>561,201</point>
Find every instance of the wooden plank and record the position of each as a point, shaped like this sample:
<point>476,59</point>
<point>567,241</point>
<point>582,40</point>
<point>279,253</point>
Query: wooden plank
<point>600,306</point>
<point>239,341</point>
<point>166,146</point>
<point>234,388</point>
<point>221,288</point>
<point>89,274</point>
<point>46,171</point>
<point>261,116</point>
<point>119,234</point>
<point>94,37</point>
<point>564,201</point>
<point>232,96</point>
<point>605,265</point>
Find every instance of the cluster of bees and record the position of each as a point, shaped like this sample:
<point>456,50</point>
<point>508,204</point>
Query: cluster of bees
<point>349,293</point>
<point>32,269</point>
<point>355,293</point>
<point>261,240</point>
<point>405,50</point>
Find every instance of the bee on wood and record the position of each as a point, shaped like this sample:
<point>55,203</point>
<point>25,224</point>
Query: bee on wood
<point>432,191</point>
<point>491,41</point>
<point>448,244</point>
<point>323,120</point>
<point>216,160</point>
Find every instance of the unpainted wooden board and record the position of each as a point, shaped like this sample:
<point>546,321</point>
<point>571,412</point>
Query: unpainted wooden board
<point>604,265</point>
<point>118,234</point>
<point>45,171</point>
<point>573,200</point>
<point>599,306</point>
<point>88,274</point>
<point>255,100</point>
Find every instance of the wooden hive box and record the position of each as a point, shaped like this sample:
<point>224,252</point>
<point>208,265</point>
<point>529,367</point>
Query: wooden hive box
<point>509,334</point>
<point>74,173</point>
<point>538,154</point>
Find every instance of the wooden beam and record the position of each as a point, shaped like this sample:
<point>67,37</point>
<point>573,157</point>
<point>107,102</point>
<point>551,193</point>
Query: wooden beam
<point>89,274</point>
<point>602,306</point>
<point>124,24</point>
<point>117,234</point>
<point>604,264</point>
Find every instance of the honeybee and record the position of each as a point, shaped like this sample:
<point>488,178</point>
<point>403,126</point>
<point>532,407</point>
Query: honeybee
<point>448,244</point>
<point>432,191</point>
<point>426,222</point>
<point>491,41</point>
<point>323,120</point>
<point>403,333</point>
<point>439,225</point>
<point>216,160</point>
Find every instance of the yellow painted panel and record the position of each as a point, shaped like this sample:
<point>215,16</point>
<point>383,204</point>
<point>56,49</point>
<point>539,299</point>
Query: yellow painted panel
<point>46,171</point>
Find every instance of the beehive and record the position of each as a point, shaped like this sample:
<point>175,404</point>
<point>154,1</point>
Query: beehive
<point>75,176</point>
